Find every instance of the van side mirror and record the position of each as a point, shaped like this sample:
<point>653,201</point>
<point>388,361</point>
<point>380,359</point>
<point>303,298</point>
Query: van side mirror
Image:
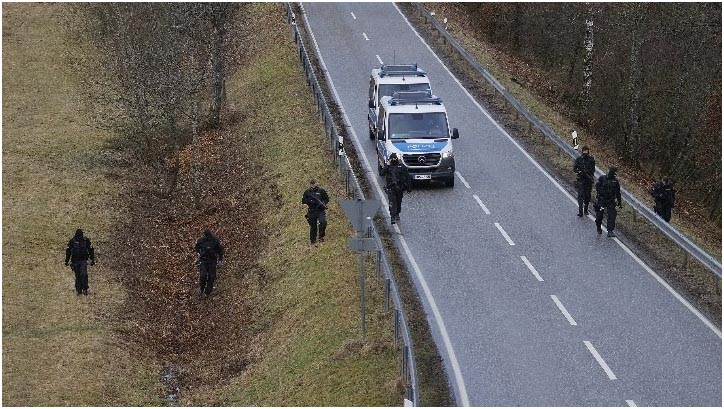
<point>380,135</point>
<point>455,134</point>
<point>371,104</point>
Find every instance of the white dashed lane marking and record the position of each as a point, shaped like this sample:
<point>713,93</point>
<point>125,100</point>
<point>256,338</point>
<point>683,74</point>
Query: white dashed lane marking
<point>531,268</point>
<point>505,235</point>
<point>480,202</point>
<point>462,179</point>
<point>365,36</point>
<point>563,310</point>
<point>631,403</point>
<point>600,360</point>
<point>379,59</point>
<point>353,16</point>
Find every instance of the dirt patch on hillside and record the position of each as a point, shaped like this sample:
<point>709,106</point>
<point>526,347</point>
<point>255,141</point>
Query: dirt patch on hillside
<point>206,340</point>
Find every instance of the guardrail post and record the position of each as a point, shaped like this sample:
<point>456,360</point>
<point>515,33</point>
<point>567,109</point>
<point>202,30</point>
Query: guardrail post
<point>530,128</point>
<point>397,326</point>
<point>347,178</point>
<point>387,294</point>
<point>404,364</point>
<point>378,264</point>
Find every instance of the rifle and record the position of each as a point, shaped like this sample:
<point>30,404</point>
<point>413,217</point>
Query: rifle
<point>319,202</point>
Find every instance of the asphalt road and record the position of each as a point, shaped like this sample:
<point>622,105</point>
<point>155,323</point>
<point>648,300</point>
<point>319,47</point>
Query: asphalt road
<point>560,317</point>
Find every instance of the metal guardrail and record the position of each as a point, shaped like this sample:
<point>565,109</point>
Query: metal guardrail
<point>674,234</point>
<point>354,191</point>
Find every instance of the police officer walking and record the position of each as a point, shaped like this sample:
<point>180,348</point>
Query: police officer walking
<point>397,180</point>
<point>608,193</point>
<point>585,168</point>
<point>316,200</point>
<point>78,252</point>
<point>664,196</point>
<point>210,255</point>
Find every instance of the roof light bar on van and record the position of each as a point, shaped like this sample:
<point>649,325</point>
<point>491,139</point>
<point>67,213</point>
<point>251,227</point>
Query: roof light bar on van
<point>414,98</point>
<point>401,70</point>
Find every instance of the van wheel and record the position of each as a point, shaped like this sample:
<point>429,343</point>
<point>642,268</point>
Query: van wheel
<point>379,167</point>
<point>450,182</point>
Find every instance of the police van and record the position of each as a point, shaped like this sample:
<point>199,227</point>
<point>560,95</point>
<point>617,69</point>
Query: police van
<point>414,125</point>
<point>387,80</point>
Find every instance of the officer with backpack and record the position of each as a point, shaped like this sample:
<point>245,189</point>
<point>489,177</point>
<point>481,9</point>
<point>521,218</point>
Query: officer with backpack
<point>211,254</point>
<point>608,193</point>
<point>78,252</point>
<point>585,168</point>
<point>664,196</point>
<point>316,200</point>
<point>397,180</point>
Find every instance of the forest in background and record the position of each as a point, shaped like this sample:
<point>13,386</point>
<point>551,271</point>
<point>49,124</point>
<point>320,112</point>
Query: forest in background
<point>645,77</point>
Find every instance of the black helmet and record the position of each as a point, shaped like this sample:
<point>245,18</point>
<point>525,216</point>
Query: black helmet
<point>612,171</point>
<point>393,158</point>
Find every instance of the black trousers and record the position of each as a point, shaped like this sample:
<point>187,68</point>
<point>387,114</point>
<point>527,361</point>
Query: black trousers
<point>395,198</point>
<point>317,224</point>
<point>207,275</point>
<point>610,210</point>
<point>663,210</point>
<point>584,196</point>
<point>80,268</point>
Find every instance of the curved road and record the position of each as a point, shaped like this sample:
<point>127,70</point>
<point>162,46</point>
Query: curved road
<point>528,305</point>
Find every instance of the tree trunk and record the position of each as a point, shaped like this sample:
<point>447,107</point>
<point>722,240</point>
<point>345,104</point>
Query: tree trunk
<point>587,68</point>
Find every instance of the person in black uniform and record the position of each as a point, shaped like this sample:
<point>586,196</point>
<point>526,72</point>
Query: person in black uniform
<point>585,168</point>
<point>316,200</point>
<point>397,180</point>
<point>210,251</point>
<point>608,193</point>
<point>664,196</point>
<point>78,252</point>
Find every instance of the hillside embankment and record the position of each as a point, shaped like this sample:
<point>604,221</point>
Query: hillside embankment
<point>282,327</point>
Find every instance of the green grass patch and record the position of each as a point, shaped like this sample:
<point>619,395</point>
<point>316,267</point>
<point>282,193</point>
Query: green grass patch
<point>56,351</point>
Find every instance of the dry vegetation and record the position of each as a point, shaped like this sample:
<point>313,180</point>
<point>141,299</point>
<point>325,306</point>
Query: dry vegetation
<point>283,325</point>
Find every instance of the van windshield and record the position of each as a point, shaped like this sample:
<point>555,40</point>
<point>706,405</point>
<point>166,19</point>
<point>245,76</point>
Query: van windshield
<point>386,90</point>
<point>422,126</point>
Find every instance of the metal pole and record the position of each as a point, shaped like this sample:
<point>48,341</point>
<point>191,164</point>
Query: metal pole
<point>362,271</point>
<point>387,295</point>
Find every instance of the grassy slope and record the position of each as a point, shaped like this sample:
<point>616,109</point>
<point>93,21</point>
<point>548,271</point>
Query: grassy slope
<point>55,351</point>
<point>311,353</point>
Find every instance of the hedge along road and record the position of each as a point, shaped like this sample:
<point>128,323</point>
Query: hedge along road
<point>528,305</point>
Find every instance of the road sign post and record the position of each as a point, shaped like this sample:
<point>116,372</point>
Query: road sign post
<point>360,213</point>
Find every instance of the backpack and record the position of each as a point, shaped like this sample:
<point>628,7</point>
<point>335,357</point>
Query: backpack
<point>79,249</point>
<point>603,189</point>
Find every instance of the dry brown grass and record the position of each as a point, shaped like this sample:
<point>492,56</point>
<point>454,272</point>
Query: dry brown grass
<point>56,351</point>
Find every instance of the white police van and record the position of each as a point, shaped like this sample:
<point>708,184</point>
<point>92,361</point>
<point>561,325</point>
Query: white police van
<point>414,125</point>
<point>387,80</point>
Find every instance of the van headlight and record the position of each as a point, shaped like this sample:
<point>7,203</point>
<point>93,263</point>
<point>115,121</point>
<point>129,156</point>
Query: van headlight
<point>447,154</point>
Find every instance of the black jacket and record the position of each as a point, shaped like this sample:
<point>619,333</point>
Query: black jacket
<point>209,248</point>
<point>664,194</point>
<point>397,177</point>
<point>84,245</point>
<point>608,191</point>
<point>317,199</point>
<point>585,168</point>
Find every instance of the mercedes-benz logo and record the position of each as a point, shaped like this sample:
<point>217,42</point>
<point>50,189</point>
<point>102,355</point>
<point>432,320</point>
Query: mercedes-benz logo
<point>422,160</point>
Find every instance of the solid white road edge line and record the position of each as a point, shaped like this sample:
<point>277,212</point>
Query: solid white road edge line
<point>531,268</point>
<point>505,235</point>
<point>600,360</point>
<point>555,182</point>
<point>480,202</point>
<point>563,310</point>
<point>353,16</point>
<point>379,59</point>
<point>428,295</point>
<point>365,36</point>
<point>462,179</point>
<point>631,403</point>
